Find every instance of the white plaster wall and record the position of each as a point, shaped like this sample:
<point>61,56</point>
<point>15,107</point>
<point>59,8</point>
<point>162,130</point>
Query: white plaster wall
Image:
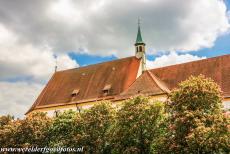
<point>51,113</point>
<point>226,105</point>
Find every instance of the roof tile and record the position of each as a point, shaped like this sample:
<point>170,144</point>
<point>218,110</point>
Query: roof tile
<point>90,81</point>
<point>217,68</point>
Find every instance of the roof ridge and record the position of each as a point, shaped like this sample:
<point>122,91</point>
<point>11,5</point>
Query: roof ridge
<point>206,59</point>
<point>96,64</point>
<point>159,83</point>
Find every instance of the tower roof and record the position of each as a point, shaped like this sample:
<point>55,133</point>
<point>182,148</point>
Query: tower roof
<point>139,38</point>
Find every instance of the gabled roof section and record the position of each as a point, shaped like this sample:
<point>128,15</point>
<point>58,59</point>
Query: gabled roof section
<point>159,83</point>
<point>147,84</point>
<point>90,81</point>
<point>217,68</point>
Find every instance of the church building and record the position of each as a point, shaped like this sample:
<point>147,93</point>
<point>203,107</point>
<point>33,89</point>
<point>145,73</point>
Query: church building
<point>122,79</point>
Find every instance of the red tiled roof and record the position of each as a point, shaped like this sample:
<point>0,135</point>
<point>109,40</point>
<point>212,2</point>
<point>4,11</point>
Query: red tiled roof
<point>147,84</point>
<point>89,81</point>
<point>119,77</point>
<point>217,68</point>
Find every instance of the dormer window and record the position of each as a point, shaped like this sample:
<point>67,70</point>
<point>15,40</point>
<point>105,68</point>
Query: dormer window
<point>106,89</point>
<point>75,93</point>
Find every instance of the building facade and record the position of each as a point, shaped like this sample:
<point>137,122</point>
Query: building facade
<point>122,79</point>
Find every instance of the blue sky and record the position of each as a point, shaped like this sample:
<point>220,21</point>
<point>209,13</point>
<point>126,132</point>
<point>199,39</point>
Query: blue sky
<point>221,47</point>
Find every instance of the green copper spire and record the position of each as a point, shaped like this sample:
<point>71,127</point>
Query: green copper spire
<point>140,48</point>
<point>139,38</point>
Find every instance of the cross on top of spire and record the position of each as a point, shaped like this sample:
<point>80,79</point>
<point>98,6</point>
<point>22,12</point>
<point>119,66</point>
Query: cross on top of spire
<point>139,22</point>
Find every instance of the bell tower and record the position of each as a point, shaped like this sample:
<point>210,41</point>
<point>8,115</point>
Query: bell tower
<point>140,48</point>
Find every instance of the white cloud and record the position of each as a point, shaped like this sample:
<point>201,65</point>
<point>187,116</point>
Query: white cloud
<point>26,61</point>
<point>64,11</point>
<point>228,14</point>
<point>29,67</point>
<point>17,97</point>
<point>106,27</point>
<point>32,32</point>
<point>65,62</point>
<point>170,59</point>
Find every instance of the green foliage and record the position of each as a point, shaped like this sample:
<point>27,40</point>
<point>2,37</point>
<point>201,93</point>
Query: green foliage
<point>62,129</point>
<point>7,131</point>
<point>192,121</point>
<point>33,130</point>
<point>94,125</point>
<point>197,93</point>
<point>138,123</point>
<point>88,128</point>
<point>4,120</point>
<point>8,134</point>
<point>196,123</point>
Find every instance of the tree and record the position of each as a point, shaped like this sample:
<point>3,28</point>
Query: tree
<point>138,123</point>
<point>93,127</point>
<point>4,120</point>
<point>9,132</point>
<point>62,130</point>
<point>33,130</point>
<point>197,123</point>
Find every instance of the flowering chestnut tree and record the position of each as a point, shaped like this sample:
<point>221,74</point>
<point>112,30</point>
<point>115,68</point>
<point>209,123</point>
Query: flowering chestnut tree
<point>28,132</point>
<point>197,123</point>
<point>4,120</point>
<point>33,130</point>
<point>62,129</point>
<point>8,132</point>
<point>138,123</point>
<point>93,127</point>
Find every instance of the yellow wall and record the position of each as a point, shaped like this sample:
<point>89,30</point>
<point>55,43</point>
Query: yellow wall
<point>55,108</point>
<point>50,110</point>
